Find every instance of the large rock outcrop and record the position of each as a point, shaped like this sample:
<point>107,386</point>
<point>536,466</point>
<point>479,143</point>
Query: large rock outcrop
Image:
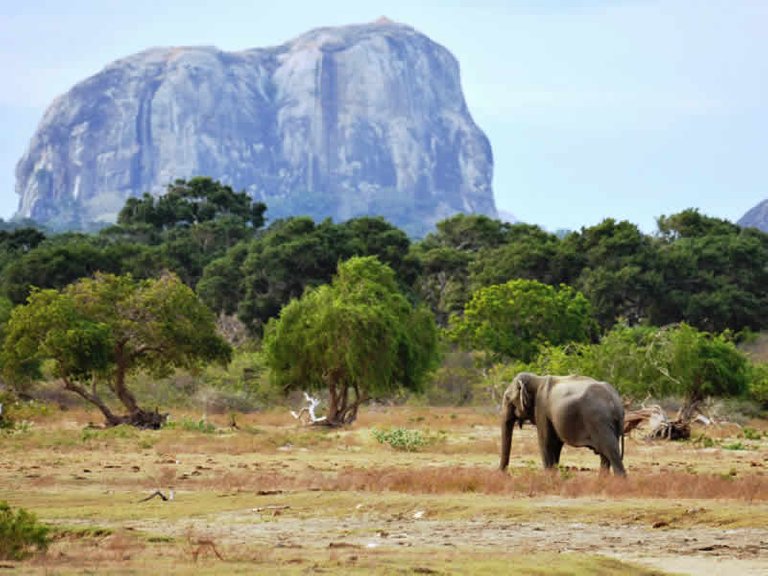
<point>756,217</point>
<point>365,119</point>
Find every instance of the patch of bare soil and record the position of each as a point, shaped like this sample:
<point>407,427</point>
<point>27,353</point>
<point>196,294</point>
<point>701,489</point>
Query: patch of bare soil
<point>696,550</point>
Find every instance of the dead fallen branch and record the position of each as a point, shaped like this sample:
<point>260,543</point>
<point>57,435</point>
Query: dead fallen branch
<point>274,508</point>
<point>158,494</point>
<point>660,426</point>
<point>307,414</point>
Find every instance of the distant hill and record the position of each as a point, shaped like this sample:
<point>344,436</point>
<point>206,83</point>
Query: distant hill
<point>340,122</point>
<point>757,217</point>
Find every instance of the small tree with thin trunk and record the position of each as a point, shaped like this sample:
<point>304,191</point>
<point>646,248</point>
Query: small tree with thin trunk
<point>99,331</point>
<point>356,338</point>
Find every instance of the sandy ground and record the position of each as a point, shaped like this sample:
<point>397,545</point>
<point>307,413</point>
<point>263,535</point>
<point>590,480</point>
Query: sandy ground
<point>709,551</point>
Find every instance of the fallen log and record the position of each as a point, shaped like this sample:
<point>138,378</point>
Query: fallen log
<point>659,425</point>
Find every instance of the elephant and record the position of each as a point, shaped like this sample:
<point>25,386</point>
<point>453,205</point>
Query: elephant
<point>573,410</point>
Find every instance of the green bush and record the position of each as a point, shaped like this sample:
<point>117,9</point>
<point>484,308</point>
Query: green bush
<point>15,413</point>
<point>735,446</point>
<point>672,361</point>
<point>192,425</point>
<point>8,402</point>
<point>751,434</point>
<point>758,384</point>
<point>401,438</point>
<point>20,532</point>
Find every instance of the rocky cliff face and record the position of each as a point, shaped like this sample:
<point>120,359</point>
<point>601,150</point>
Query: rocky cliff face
<point>366,119</point>
<point>756,217</point>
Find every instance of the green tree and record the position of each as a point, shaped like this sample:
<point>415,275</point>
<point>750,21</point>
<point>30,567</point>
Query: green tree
<point>16,242</point>
<point>192,224</point>
<point>187,203</point>
<point>445,257</point>
<point>699,364</point>
<point>713,272</point>
<point>444,280</point>
<point>677,360</point>
<point>515,319</point>
<point>471,232</point>
<point>528,253</point>
<point>355,338</point>
<point>54,263</point>
<point>99,331</point>
<point>222,287</point>
<point>294,254</point>
<point>615,266</point>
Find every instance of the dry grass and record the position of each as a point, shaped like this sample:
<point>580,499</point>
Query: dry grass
<point>74,476</point>
<point>445,480</point>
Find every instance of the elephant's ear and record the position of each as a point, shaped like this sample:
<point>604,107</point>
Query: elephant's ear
<point>524,396</point>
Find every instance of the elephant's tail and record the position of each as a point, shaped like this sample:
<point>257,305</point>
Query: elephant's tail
<point>622,445</point>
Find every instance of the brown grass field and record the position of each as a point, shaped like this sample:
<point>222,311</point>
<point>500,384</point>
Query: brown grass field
<point>274,497</point>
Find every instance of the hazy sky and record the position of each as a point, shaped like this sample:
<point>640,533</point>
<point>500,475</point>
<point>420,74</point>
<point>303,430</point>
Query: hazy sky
<point>625,109</point>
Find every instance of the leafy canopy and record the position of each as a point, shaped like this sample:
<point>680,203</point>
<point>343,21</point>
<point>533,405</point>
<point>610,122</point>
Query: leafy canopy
<point>100,330</point>
<point>513,320</point>
<point>357,337</point>
<point>676,360</point>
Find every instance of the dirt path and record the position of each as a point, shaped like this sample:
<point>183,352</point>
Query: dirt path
<point>685,551</point>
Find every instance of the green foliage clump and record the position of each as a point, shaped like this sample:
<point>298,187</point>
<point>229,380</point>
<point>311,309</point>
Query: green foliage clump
<point>738,445</point>
<point>256,280</point>
<point>99,331</point>
<point>7,418</point>
<point>357,338</point>
<point>758,384</point>
<point>516,319</point>
<point>401,439</point>
<point>243,385</point>
<point>123,431</point>
<point>673,361</point>
<point>751,434</point>
<point>190,425</point>
<point>20,533</point>
<point>15,414</point>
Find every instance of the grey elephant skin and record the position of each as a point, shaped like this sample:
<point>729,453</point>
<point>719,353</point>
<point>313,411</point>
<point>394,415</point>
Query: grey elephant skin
<point>575,410</point>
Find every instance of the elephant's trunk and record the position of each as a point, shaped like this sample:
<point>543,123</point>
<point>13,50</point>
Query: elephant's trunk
<point>507,425</point>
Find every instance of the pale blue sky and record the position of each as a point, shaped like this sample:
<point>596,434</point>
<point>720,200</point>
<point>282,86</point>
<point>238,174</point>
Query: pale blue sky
<point>626,109</point>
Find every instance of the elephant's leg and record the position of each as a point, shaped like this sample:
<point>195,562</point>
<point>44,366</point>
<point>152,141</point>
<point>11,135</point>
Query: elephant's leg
<point>612,457</point>
<point>550,445</point>
<point>606,444</point>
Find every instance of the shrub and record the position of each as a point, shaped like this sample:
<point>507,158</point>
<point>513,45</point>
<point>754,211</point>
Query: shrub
<point>758,384</point>
<point>15,413</point>
<point>401,438</point>
<point>20,532</point>
<point>675,360</point>
<point>7,421</point>
<point>192,426</point>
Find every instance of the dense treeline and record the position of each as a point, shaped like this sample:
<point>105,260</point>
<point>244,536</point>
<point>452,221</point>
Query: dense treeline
<point>696,269</point>
<point>514,291</point>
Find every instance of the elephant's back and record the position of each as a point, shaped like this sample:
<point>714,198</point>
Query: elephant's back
<point>585,393</point>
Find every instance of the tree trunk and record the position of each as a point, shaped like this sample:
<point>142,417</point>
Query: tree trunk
<point>93,398</point>
<point>333,403</point>
<point>136,416</point>
<point>340,411</point>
